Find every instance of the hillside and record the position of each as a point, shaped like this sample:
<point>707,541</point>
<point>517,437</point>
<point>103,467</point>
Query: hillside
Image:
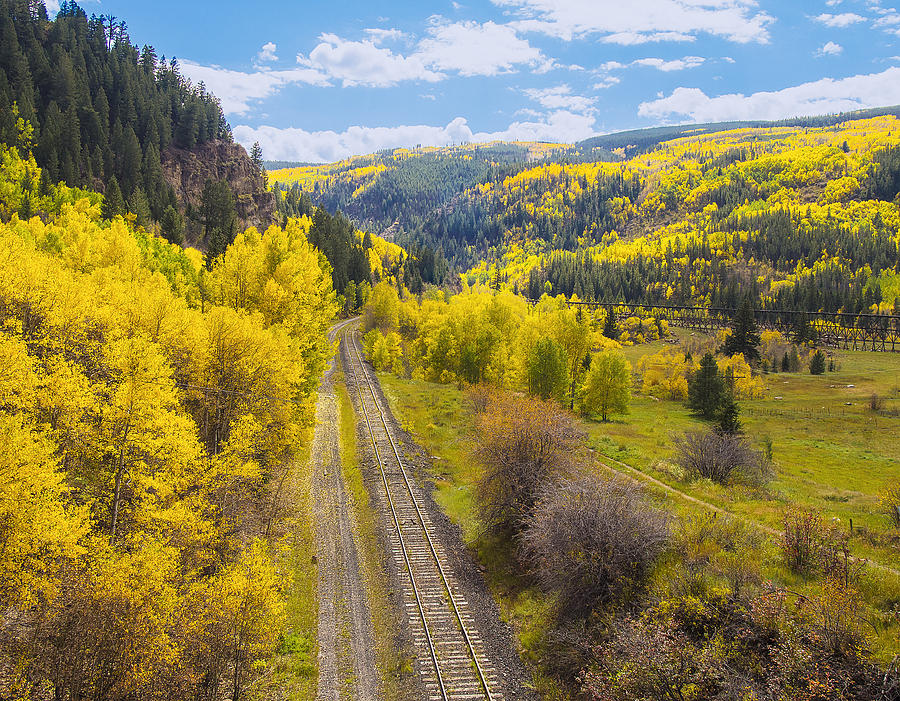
<point>799,216</point>
<point>112,117</point>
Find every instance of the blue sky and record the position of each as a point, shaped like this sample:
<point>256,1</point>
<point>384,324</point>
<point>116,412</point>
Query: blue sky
<point>319,81</point>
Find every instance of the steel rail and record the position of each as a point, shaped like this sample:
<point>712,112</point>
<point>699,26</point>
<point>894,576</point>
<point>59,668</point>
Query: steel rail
<point>453,603</point>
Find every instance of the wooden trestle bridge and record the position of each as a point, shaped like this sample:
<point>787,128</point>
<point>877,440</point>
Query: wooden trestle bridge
<point>865,332</point>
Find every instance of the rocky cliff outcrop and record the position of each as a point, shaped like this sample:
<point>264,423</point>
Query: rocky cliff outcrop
<point>188,170</point>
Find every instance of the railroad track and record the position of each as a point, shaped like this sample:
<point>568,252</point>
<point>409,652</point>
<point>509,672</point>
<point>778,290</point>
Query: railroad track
<point>450,653</point>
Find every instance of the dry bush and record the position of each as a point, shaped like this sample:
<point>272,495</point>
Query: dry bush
<point>592,541</point>
<point>722,458</point>
<point>523,443</point>
<point>801,541</point>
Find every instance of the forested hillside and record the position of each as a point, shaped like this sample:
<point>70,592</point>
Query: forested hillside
<point>802,217</point>
<point>151,410</point>
<point>118,119</point>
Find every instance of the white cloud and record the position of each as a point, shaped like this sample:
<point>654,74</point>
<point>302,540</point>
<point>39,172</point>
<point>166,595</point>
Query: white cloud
<point>678,64</point>
<point>364,63</point>
<point>466,48</point>
<point>830,49</point>
<point>845,19</point>
<point>819,97</point>
<point>889,21</point>
<point>652,20</point>
<point>607,82</point>
<point>560,97</point>
<point>267,52</point>
<point>381,35</point>
<point>52,8</point>
<point>634,38</point>
<point>237,89</point>
<point>294,144</point>
<point>477,49</point>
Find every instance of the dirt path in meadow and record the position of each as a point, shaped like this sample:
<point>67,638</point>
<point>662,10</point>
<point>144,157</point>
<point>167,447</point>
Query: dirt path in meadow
<point>634,473</point>
<point>346,637</point>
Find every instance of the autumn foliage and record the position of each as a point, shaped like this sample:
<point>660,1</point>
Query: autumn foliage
<point>150,412</point>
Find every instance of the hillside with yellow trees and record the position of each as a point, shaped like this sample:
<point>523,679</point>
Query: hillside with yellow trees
<point>151,410</point>
<point>802,217</point>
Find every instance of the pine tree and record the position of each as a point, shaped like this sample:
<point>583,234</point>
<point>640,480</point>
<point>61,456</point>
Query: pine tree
<point>727,421</point>
<point>172,224</point>
<point>609,324</point>
<point>817,363</point>
<point>706,389</point>
<point>785,363</point>
<point>113,202</point>
<point>140,207</point>
<point>744,336</point>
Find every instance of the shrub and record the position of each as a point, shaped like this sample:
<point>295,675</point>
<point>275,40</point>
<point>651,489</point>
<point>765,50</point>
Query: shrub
<point>523,443</point>
<point>721,457</point>
<point>801,541</point>
<point>890,504</point>
<point>592,540</point>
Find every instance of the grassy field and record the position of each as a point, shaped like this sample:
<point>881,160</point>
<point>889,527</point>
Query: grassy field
<point>830,455</point>
<point>831,452</point>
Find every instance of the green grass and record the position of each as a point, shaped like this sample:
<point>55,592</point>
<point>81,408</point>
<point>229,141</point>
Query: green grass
<point>393,661</point>
<point>829,456</point>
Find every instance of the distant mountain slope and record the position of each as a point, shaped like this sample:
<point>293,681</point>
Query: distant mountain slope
<point>800,215</point>
<point>803,218</point>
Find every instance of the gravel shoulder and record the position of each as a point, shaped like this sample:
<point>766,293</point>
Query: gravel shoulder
<point>346,638</point>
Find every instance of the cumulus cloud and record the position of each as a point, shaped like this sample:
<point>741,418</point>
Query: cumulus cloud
<point>380,36</point>
<point>818,97</point>
<point>678,64</point>
<point>364,63</point>
<point>237,90</point>
<point>471,48</point>
<point>560,97</point>
<point>830,49</point>
<point>845,19</point>
<point>267,52</point>
<point>649,20</point>
<point>466,48</point>
<point>294,144</point>
<point>607,82</point>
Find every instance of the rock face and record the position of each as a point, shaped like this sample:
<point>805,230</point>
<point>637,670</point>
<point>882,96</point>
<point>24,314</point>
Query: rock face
<point>188,170</point>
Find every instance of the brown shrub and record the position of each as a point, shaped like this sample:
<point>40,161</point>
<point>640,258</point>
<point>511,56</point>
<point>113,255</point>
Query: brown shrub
<point>593,541</point>
<point>523,443</point>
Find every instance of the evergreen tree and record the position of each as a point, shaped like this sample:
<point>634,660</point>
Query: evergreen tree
<point>172,225</point>
<point>113,202</point>
<point>744,336</point>
<point>218,216</point>
<point>785,363</point>
<point>609,324</point>
<point>817,363</point>
<point>727,421</point>
<point>706,389</point>
<point>139,206</point>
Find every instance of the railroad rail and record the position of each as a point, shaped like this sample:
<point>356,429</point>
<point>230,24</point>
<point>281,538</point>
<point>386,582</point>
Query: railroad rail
<point>867,332</point>
<point>450,653</point>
